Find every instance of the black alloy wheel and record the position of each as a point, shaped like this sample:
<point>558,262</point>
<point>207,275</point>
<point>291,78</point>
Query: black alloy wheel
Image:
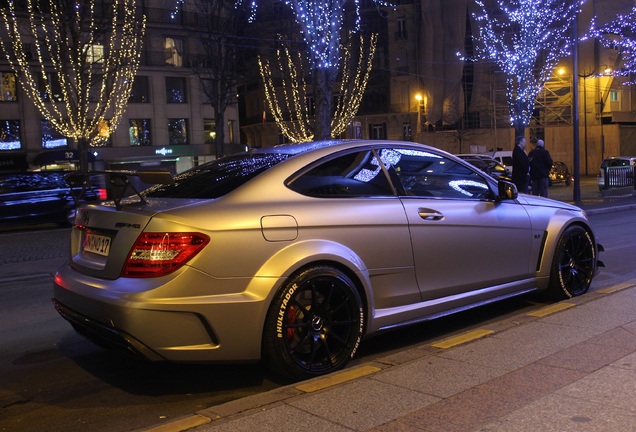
<point>314,324</point>
<point>574,264</point>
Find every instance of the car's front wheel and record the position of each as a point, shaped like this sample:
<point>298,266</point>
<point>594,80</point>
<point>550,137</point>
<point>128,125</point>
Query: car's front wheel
<point>574,264</point>
<point>314,324</point>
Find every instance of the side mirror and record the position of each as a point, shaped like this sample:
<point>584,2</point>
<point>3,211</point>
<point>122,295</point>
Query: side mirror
<point>507,190</point>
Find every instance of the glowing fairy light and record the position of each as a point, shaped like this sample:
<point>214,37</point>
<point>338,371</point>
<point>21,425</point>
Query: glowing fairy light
<point>620,34</point>
<point>288,102</point>
<point>526,39</point>
<point>94,68</point>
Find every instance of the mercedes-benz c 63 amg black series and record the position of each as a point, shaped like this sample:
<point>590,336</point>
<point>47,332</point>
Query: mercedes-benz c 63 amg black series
<point>293,254</point>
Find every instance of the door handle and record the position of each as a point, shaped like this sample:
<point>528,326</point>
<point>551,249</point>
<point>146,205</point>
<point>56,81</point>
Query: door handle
<point>429,214</point>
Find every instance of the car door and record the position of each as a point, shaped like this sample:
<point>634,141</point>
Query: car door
<point>462,238</point>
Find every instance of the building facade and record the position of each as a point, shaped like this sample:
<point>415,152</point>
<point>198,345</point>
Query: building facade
<point>168,123</point>
<point>421,90</point>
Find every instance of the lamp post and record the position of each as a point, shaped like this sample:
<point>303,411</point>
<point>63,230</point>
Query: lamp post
<point>418,98</point>
<point>576,165</point>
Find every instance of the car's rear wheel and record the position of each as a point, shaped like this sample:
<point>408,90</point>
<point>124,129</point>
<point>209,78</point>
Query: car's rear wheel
<point>574,264</point>
<point>314,324</point>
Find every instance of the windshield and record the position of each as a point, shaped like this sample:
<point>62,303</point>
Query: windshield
<point>215,179</point>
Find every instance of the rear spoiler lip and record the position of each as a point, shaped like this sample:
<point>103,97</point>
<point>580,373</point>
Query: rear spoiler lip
<point>119,182</point>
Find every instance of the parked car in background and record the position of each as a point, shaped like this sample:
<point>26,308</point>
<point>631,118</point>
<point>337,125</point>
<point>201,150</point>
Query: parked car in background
<point>560,174</point>
<point>504,157</point>
<point>611,162</point>
<point>293,254</point>
<point>41,197</point>
<point>487,164</point>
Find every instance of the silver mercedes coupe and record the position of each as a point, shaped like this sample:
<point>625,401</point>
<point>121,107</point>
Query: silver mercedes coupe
<point>293,254</point>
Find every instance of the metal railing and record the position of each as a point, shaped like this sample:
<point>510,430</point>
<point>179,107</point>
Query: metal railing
<point>618,177</point>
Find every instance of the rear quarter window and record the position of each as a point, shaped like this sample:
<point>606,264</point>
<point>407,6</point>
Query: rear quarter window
<point>215,179</point>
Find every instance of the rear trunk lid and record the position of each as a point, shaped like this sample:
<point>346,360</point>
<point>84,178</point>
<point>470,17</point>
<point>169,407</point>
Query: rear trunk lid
<point>103,236</point>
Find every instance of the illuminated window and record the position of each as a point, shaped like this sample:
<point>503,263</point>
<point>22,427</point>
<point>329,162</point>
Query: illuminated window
<point>613,96</point>
<point>178,131</point>
<point>103,132</point>
<point>95,53</point>
<point>10,135</point>
<point>8,87</point>
<point>139,132</point>
<point>50,137</point>
<point>173,49</point>
<point>209,133</point>
<point>176,90</point>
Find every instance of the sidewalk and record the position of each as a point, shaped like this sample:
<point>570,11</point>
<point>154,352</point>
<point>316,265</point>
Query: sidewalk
<point>570,366</point>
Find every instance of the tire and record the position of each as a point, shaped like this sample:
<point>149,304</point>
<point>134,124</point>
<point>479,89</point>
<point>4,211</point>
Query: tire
<point>314,325</point>
<point>574,264</point>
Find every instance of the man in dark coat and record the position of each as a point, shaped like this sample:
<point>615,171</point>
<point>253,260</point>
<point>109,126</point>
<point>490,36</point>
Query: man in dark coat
<point>520,165</point>
<point>540,166</point>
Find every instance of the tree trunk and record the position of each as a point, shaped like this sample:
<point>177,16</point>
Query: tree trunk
<point>323,91</point>
<point>219,128</point>
<point>82,151</point>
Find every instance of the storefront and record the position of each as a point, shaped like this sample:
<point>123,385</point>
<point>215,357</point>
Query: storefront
<point>175,159</point>
<point>60,160</point>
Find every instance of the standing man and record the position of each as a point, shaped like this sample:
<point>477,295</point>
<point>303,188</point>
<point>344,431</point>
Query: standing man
<point>520,165</point>
<point>540,166</point>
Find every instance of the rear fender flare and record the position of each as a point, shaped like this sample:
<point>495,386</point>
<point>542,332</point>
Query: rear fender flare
<point>301,254</point>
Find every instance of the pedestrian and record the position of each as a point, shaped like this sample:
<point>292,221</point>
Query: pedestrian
<point>540,166</point>
<point>520,165</point>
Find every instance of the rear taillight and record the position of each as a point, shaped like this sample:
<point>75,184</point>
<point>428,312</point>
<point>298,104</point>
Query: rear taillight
<point>102,194</point>
<point>158,254</point>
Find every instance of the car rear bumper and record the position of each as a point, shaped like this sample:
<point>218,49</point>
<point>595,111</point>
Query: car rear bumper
<point>214,328</point>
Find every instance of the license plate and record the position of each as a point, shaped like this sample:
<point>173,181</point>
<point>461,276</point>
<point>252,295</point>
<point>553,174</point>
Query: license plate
<point>97,244</point>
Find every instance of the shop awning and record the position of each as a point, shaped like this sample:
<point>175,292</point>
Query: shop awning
<point>60,156</point>
<point>11,162</point>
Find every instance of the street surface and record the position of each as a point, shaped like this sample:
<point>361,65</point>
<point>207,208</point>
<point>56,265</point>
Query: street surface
<point>52,380</point>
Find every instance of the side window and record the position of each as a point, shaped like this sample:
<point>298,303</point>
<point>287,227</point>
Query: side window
<point>427,174</point>
<point>356,174</point>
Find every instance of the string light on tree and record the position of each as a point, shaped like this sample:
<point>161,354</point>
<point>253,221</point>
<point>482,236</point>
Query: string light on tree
<point>289,104</point>
<point>620,34</point>
<point>526,39</point>
<point>92,53</point>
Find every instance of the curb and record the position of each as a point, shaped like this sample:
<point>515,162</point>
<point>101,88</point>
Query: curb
<point>264,401</point>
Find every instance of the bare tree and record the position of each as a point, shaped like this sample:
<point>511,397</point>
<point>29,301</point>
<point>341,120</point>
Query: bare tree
<point>76,60</point>
<point>223,23</point>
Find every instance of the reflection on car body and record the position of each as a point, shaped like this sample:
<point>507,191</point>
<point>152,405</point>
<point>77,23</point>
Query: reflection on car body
<point>487,164</point>
<point>294,254</point>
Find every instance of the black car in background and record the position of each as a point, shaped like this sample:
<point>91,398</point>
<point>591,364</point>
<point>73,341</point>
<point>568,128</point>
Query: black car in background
<point>41,197</point>
<point>487,164</point>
